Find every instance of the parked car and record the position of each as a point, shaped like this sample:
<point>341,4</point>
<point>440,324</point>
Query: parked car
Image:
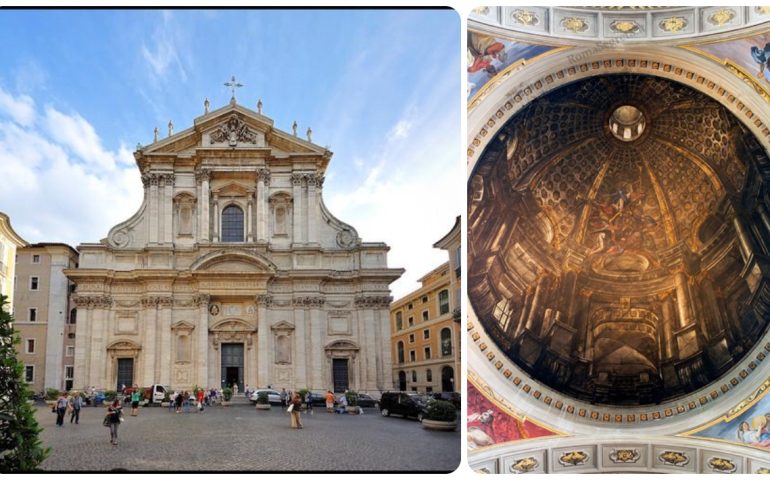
<point>273,397</point>
<point>407,404</point>
<point>319,399</point>
<point>453,397</point>
<point>365,401</point>
<point>98,397</point>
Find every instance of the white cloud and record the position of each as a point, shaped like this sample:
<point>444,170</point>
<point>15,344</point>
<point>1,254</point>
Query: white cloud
<point>400,130</point>
<point>20,109</point>
<point>61,184</point>
<point>164,53</point>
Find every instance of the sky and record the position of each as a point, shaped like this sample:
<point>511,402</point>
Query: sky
<point>80,89</point>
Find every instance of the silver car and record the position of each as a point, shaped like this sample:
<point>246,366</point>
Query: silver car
<point>273,396</point>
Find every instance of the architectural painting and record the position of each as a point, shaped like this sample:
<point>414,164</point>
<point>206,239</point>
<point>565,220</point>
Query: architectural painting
<point>751,54</point>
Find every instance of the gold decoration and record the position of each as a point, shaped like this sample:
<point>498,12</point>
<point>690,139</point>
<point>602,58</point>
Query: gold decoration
<point>525,17</point>
<point>624,26</point>
<point>625,455</point>
<point>481,10</point>
<point>524,465</point>
<point>677,459</point>
<point>763,470</point>
<point>722,465</point>
<point>762,10</point>
<point>750,79</point>
<point>573,459</point>
<point>673,24</point>
<point>721,17</point>
<point>574,24</point>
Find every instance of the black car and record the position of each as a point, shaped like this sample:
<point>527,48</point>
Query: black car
<point>365,401</point>
<point>453,397</point>
<point>407,404</point>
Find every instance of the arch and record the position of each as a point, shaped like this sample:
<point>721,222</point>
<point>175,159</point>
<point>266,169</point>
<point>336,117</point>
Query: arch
<point>232,325</point>
<point>447,379</point>
<point>233,224</point>
<point>245,260</point>
<point>446,342</point>
<point>124,344</point>
<point>342,345</point>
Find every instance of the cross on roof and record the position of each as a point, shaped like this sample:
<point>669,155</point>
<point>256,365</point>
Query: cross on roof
<point>233,85</point>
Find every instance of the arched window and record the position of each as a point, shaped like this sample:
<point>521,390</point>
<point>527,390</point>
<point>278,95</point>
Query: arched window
<point>400,352</point>
<point>429,375</point>
<point>446,342</point>
<point>232,224</point>
<point>399,321</point>
<point>73,316</point>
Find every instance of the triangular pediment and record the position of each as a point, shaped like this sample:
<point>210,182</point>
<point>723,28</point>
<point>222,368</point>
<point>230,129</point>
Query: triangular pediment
<point>182,325</point>
<point>282,325</point>
<point>233,261</point>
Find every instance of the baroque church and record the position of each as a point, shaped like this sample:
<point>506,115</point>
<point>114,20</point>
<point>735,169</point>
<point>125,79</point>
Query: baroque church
<point>619,239</point>
<point>233,271</point>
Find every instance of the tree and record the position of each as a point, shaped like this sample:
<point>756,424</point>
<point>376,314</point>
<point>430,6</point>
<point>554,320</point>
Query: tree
<point>20,447</point>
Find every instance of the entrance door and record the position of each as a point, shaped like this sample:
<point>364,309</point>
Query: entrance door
<point>125,373</point>
<point>402,381</point>
<point>447,379</point>
<point>340,374</point>
<point>232,365</point>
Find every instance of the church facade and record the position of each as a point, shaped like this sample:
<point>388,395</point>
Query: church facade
<point>233,271</point>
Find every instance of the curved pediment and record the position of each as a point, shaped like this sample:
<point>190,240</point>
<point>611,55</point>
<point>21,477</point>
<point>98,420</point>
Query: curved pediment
<point>282,325</point>
<point>182,325</point>
<point>124,345</point>
<point>342,345</point>
<point>232,325</point>
<point>233,261</point>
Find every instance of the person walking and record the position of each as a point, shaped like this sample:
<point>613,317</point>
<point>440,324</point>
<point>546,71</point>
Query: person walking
<point>329,401</point>
<point>136,395</point>
<point>172,401</point>
<point>199,396</point>
<point>114,412</point>
<point>309,402</point>
<point>61,408</point>
<point>296,406</point>
<point>179,399</point>
<point>284,398</point>
<point>76,402</point>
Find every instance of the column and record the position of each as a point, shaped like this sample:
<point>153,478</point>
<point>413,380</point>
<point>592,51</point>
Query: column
<point>202,340</point>
<point>744,238</point>
<point>249,220</point>
<point>540,292</point>
<point>524,314</point>
<point>682,299</point>
<point>203,203</point>
<point>154,214</point>
<point>81,344</point>
<point>215,237</point>
<point>385,375</point>
<point>300,359</point>
<point>263,336</point>
<point>317,328</point>
<point>669,345</point>
<point>149,326</point>
<point>99,364</point>
<point>296,182</point>
<point>763,214</point>
<point>263,181</point>
<point>168,223</point>
<point>164,360</point>
<point>312,227</point>
<point>368,353</point>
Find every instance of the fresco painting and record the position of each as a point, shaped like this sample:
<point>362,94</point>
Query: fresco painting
<point>751,427</point>
<point>488,56</point>
<point>490,425</point>
<point>752,54</point>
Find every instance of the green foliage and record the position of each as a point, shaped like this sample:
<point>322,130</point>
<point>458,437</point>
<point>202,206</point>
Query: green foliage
<point>20,447</point>
<point>110,395</point>
<point>227,392</point>
<point>352,398</point>
<point>262,398</point>
<point>302,393</point>
<point>441,410</point>
<point>52,394</point>
<point>167,396</point>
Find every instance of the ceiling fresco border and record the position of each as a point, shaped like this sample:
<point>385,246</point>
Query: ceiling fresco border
<point>674,64</point>
<point>586,418</point>
<point>648,24</point>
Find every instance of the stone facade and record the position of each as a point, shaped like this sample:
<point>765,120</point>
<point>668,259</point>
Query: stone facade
<point>9,242</point>
<point>233,270</point>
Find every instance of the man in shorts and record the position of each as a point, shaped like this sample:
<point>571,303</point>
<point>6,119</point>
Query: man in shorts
<point>136,395</point>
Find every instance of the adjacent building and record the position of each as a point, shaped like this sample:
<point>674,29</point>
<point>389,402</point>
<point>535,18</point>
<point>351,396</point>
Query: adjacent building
<point>425,328</point>
<point>9,242</point>
<point>44,317</point>
<point>234,271</point>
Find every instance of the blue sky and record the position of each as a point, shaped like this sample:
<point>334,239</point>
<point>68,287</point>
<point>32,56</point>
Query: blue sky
<point>79,89</point>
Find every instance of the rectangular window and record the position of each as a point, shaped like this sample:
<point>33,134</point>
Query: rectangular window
<point>412,356</point>
<point>428,389</point>
<point>443,302</point>
<point>33,283</point>
<point>411,338</point>
<point>29,373</point>
<point>35,258</point>
<point>69,371</point>
<point>399,321</point>
<point>409,307</point>
<point>424,299</point>
<point>70,350</point>
<point>30,345</point>
<point>33,314</point>
<point>427,353</point>
<point>425,334</point>
<point>425,316</point>
<point>70,335</point>
<point>411,321</point>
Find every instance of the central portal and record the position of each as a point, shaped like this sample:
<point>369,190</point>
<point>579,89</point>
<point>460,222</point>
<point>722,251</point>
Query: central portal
<point>232,365</point>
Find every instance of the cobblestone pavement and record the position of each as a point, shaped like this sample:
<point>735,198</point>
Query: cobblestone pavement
<point>239,437</point>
